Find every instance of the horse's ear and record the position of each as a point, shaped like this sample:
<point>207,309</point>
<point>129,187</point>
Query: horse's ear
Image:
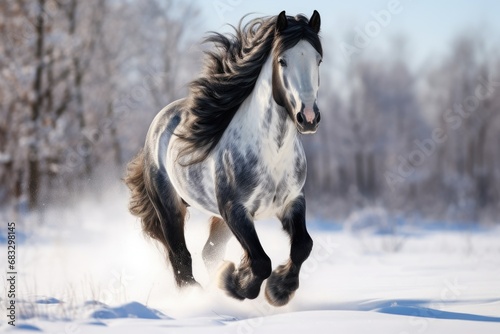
<point>281,22</point>
<point>315,21</point>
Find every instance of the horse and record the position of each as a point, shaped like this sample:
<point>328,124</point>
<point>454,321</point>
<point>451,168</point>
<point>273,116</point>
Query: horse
<point>232,149</point>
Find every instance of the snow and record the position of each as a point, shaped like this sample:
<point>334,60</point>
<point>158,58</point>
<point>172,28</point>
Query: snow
<point>89,269</point>
<point>130,310</point>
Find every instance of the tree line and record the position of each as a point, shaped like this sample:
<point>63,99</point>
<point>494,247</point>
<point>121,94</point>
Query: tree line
<point>81,81</point>
<point>79,84</point>
<point>415,141</point>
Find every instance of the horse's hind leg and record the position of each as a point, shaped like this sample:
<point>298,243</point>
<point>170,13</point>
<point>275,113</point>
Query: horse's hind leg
<point>171,211</point>
<point>215,247</point>
<point>284,280</point>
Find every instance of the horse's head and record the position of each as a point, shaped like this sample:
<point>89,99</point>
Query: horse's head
<point>297,54</point>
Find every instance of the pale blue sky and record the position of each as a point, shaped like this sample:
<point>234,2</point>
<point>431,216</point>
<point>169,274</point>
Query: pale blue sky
<point>429,25</point>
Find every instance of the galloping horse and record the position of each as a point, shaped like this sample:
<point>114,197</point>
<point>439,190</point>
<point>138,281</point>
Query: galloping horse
<point>232,148</point>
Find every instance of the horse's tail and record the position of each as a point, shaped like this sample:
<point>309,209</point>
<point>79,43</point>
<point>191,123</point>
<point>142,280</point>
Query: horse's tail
<point>162,214</point>
<point>140,203</point>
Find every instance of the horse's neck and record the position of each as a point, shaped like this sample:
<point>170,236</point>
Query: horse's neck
<point>266,124</point>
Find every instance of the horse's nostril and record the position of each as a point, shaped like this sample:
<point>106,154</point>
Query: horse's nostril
<point>318,117</point>
<point>300,119</point>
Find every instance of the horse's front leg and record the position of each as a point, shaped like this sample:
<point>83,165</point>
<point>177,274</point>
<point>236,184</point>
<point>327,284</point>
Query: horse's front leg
<point>284,280</point>
<point>255,267</point>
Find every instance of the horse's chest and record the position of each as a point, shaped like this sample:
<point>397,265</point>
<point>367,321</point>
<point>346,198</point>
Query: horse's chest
<point>264,183</point>
<point>278,185</point>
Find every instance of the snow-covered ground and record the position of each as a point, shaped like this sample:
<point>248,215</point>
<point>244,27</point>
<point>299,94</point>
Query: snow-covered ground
<point>90,270</point>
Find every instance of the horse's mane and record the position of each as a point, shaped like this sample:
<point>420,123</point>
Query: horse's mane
<point>229,76</point>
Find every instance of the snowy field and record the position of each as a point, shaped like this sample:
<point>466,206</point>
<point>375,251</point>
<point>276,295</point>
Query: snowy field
<point>90,270</point>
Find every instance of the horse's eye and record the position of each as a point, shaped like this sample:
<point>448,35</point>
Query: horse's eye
<point>282,62</point>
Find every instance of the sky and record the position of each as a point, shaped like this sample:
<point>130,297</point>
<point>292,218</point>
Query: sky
<point>429,26</point>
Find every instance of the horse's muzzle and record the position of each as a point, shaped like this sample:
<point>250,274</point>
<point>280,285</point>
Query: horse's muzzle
<point>308,119</point>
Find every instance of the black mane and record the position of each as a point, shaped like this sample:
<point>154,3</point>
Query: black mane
<point>230,73</point>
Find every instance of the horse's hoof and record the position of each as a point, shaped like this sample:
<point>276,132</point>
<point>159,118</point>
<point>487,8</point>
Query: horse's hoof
<point>280,289</point>
<point>189,283</point>
<point>277,296</point>
<point>195,286</point>
<point>227,280</point>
